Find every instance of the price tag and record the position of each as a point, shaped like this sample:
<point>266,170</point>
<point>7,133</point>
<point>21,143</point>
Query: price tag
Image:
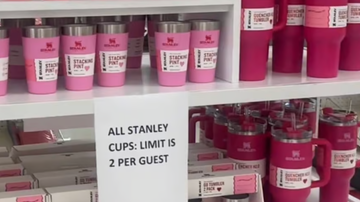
<point>142,147</point>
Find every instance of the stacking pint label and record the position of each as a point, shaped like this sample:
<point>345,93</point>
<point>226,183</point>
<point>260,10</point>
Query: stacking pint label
<point>354,13</point>
<point>257,19</point>
<point>290,178</point>
<point>343,159</point>
<point>295,15</point>
<point>80,65</point>
<point>205,58</point>
<point>113,61</point>
<point>4,67</point>
<point>151,44</point>
<point>42,69</point>
<point>326,16</point>
<point>174,60</point>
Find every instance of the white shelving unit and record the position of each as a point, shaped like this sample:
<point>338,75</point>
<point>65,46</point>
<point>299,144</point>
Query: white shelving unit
<point>19,104</point>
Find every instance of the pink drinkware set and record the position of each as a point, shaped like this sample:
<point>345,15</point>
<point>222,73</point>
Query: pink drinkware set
<point>174,39</point>
<point>330,29</point>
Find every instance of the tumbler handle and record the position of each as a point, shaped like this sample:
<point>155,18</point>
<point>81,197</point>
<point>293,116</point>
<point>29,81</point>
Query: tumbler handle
<point>193,111</point>
<point>192,126</point>
<point>283,12</point>
<point>325,174</point>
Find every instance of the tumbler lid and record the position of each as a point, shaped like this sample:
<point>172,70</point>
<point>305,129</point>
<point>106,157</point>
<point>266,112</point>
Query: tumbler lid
<point>173,27</point>
<point>42,31</point>
<point>4,33</point>
<point>205,25</point>
<point>338,117</point>
<point>78,30</point>
<point>164,17</point>
<point>58,22</point>
<point>112,27</point>
<point>131,18</point>
<point>236,198</point>
<point>17,23</point>
<point>97,19</point>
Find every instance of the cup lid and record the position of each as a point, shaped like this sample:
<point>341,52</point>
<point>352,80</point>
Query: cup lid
<point>78,29</point>
<point>40,31</point>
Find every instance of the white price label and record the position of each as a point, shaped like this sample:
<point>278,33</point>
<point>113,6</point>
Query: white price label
<point>135,46</point>
<point>174,61</point>
<point>290,178</point>
<point>80,65</point>
<point>354,13</point>
<point>338,16</point>
<point>113,62</point>
<point>343,159</point>
<point>4,68</point>
<point>46,69</point>
<point>143,151</point>
<point>205,58</point>
<point>258,18</point>
<point>295,15</point>
<point>258,166</point>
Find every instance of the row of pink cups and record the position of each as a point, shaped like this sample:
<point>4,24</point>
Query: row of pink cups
<point>186,47</point>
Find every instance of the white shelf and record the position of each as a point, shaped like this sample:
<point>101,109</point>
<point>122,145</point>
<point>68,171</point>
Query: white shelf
<point>59,8</point>
<point>19,104</point>
<point>314,197</point>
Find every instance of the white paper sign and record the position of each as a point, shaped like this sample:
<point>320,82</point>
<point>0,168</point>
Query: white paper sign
<point>142,147</point>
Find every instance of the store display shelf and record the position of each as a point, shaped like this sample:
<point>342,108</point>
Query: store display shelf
<point>19,104</point>
<point>63,8</point>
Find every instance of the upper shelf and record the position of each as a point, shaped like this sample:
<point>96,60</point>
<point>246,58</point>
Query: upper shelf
<point>66,8</point>
<point>19,104</point>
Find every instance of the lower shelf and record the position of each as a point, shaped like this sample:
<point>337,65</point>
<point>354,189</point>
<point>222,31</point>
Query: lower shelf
<point>314,197</point>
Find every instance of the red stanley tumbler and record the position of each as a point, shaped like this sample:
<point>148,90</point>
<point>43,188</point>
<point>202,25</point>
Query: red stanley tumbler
<point>220,126</point>
<point>340,128</point>
<point>257,18</point>
<point>288,43</point>
<point>325,28</point>
<point>291,163</point>
<point>349,59</point>
<point>247,143</point>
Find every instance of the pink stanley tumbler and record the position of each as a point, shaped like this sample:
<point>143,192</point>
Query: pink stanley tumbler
<point>78,45</point>
<point>204,44</point>
<point>59,22</point>
<point>16,57</point>
<point>257,28</point>
<point>111,48</point>
<point>291,163</point>
<point>151,26</point>
<point>349,60</point>
<point>41,53</point>
<point>325,28</point>
<point>288,43</point>
<point>4,60</point>
<point>136,31</point>
<point>246,143</point>
<point>172,40</point>
<point>340,128</point>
